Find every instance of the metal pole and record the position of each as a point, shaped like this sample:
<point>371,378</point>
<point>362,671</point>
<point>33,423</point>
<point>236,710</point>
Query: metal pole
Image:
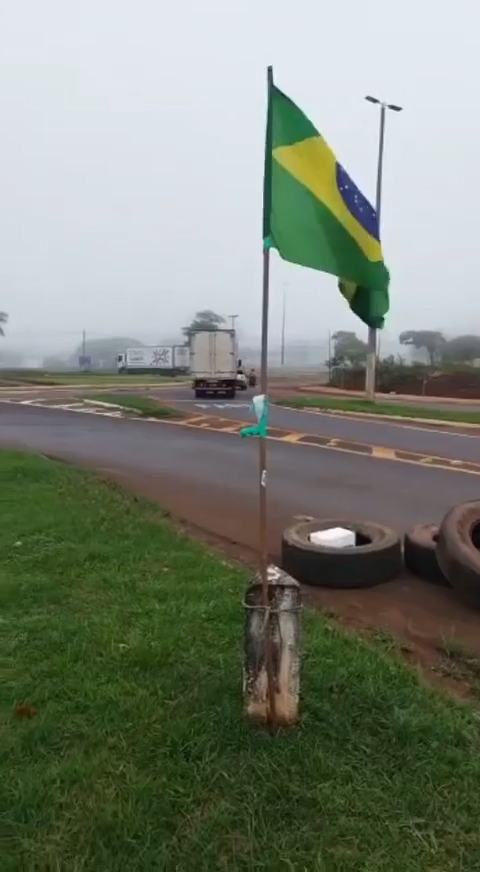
<point>372,333</point>
<point>263,521</point>
<point>84,342</point>
<point>282,353</point>
<point>262,444</point>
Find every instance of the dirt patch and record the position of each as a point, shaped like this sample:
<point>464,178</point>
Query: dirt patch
<point>415,616</point>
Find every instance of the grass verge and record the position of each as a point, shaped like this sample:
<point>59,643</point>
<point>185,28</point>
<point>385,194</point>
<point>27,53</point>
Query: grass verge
<point>335,404</point>
<point>82,378</point>
<point>145,406</point>
<point>89,378</point>
<point>460,664</point>
<point>126,638</point>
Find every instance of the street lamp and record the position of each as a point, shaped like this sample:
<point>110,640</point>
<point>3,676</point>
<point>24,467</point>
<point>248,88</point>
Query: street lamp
<point>372,333</point>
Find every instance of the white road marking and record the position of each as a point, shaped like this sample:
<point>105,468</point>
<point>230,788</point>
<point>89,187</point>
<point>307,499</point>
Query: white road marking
<point>67,407</point>
<point>219,405</point>
<point>441,430</point>
<point>30,402</point>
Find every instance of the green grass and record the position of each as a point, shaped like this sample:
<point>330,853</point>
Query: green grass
<point>127,639</point>
<point>114,379</point>
<point>460,664</point>
<point>335,404</point>
<point>145,406</point>
<point>81,378</point>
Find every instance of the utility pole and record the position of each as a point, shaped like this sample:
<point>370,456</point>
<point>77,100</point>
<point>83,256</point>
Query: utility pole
<point>84,342</point>
<point>370,370</point>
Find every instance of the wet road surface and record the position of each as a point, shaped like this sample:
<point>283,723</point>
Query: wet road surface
<point>223,469</point>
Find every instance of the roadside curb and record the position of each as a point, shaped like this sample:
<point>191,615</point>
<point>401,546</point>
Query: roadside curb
<point>90,387</point>
<point>339,413</point>
<point>106,405</point>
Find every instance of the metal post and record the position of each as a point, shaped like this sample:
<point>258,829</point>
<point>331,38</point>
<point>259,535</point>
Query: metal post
<point>282,352</point>
<point>372,333</point>
<point>263,522</point>
<point>84,342</point>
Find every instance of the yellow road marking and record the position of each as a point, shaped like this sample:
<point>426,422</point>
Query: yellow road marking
<point>196,420</point>
<point>291,437</point>
<point>312,440</point>
<point>235,429</point>
<point>383,453</point>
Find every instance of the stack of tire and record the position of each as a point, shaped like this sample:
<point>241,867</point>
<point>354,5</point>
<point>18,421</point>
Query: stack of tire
<point>447,555</point>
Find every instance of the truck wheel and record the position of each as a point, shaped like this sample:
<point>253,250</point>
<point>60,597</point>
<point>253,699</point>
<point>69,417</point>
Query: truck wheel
<point>420,553</point>
<point>199,394</point>
<point>376,558</point>
<point>458,551</point>
<point>230,394</point>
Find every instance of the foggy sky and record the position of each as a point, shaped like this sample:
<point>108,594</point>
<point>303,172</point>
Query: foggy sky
<point>131,159</point>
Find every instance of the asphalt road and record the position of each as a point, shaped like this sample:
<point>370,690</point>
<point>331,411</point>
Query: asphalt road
<point>451,443</point>
<point>212,479</point>
<point>408,437</point>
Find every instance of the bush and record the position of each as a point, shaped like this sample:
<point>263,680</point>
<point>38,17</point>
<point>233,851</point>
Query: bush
<point>458,381</point>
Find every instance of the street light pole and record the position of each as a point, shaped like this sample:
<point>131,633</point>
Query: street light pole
<point>233,318</point>
<point>372,333</point>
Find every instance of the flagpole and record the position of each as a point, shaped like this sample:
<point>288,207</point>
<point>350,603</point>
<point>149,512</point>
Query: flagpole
<point>371,368</point>
<point>262,454</point>
<point>372,353</point>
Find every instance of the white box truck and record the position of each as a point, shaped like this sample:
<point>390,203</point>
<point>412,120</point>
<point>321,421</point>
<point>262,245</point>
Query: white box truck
<point>213,362</point>
<point>154,359</point>
<point>181,357</point>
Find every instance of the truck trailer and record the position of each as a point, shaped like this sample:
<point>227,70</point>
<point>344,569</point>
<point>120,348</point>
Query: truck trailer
<point>213,362</point>
<point>169,359</point>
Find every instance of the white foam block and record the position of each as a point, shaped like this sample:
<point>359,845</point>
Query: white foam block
<point>334,537</point>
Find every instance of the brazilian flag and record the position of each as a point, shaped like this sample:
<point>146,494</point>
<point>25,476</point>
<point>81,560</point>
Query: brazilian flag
<point>314,215</point>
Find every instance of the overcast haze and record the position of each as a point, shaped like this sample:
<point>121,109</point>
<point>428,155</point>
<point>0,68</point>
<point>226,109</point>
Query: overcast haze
<point>132,151</point>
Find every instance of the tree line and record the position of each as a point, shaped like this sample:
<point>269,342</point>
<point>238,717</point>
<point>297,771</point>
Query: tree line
<point>349,350</point>
<point>106,349</point>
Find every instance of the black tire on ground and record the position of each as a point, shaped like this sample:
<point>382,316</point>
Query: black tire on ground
<point>199,394</point>
<point>458,551</point>
<point>230,394</point>
<point>376,558</point>
<point>420,554</point>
